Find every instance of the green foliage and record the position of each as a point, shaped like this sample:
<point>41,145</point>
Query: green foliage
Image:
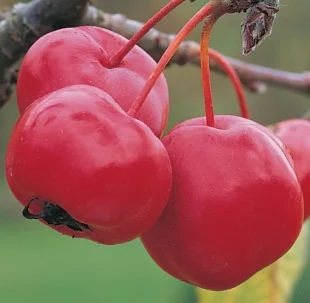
<point>39,265</point>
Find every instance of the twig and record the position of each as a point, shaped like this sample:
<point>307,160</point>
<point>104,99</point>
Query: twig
<point>29,21</point>
<point>155,43</point>
<point>24,25</point>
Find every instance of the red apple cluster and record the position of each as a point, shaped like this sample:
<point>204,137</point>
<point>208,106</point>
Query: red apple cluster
<point>214,201</point>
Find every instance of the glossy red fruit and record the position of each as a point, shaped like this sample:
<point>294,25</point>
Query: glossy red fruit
<point>81,55</point>
<point>235,205</point>
<point>295,136</point>
<point>91,169</point>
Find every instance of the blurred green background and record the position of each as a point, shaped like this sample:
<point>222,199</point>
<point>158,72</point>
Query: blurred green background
<point>39,265</point>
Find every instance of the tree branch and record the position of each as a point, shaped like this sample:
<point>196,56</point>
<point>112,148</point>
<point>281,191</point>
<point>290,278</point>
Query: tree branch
<point>254,77</point>
<point>29,21</point>
<point>24,25</point>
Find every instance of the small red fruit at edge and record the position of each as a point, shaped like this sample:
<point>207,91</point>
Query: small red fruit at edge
<point>295,135</point>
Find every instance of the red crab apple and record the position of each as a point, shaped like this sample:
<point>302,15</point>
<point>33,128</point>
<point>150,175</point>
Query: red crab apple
<point>235,206</point>
<point>236,203</point>
<point>295,134</point>
<point>79,163</point>
<point>81,55</point>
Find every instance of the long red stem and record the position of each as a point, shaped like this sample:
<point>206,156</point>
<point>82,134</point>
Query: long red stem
<point>205,71</point>
<point>234,78</point>
<point>120,55</point>
<point>168,54</point>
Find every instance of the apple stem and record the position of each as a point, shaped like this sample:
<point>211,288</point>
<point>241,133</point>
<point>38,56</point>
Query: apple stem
<point>205,70</point>
<point>163,12</point>
<point>168,54</point>
<point>234,78</point>
<point>205,54</point>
